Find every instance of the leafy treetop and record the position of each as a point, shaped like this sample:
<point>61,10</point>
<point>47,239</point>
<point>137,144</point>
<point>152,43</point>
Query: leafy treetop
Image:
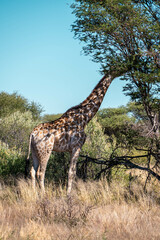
<point>14,102</point>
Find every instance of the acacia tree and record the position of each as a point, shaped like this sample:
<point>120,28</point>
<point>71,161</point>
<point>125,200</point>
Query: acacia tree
<point>124,36</point>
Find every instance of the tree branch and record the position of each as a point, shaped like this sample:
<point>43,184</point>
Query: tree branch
<point>116,161</point>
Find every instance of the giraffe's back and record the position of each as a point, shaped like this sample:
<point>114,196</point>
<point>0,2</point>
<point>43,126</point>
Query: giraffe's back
<point>61,135</point>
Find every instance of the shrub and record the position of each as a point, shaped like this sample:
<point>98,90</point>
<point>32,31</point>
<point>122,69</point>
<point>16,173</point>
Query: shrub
<point>12,162</point>
<point>15,129</point>
<point>95,145</point>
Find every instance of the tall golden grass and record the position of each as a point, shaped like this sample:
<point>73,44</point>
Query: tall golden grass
<point>95,211</point>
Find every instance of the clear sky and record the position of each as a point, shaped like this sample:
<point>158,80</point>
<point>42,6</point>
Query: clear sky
<point>41,60</point>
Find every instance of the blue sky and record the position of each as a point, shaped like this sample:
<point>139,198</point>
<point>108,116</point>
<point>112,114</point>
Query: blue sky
<point>41,60</point>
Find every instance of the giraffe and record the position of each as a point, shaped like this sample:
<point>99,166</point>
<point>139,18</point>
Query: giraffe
<point>65,134</point>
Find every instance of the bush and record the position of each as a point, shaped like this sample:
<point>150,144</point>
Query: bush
<point>95,145</point>
<point>12,162</point>
<point>15,129</point>
<point>57,168</point>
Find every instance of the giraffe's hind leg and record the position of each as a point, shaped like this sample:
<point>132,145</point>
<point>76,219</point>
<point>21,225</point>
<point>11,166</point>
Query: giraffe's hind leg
<point>34,168</point>
<point>42,169</point>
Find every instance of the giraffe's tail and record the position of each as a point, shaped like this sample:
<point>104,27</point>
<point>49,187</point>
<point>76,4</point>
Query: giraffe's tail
<point>27,159</point>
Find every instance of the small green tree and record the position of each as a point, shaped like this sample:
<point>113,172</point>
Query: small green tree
<point>12,163</point>
<point>117,125</point>
<point>95,145</point>
<point>15,129</point>
<point>14,102</point>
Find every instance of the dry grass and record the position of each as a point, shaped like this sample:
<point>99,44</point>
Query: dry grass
<point>96,211</point>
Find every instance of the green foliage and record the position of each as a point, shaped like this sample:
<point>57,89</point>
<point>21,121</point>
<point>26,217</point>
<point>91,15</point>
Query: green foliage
<point>12,163</point>
<point>137,111</point>
<point>119,33</point>
<point>114,120</point>
<point>117,125</point>
<point>11,103</point>
<point>95,145</point>
<point>57,168</point>
<point>15,129</point>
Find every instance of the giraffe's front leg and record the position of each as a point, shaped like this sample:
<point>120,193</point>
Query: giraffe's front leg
<point>72,169</point>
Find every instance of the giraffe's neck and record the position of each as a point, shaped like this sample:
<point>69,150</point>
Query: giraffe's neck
<point>92,103</point>
<point>78,116</point>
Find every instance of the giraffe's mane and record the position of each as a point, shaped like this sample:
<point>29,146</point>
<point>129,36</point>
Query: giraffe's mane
<point>71,109</point>
<point>64,114</point>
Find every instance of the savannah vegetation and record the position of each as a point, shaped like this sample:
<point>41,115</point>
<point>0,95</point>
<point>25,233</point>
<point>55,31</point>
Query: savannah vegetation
<point>117,195</point>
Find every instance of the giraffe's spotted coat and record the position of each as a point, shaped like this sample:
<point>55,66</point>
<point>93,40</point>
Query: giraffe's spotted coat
<point>65,133</point>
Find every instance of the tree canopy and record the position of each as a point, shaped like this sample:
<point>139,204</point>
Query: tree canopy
<point>120,34</point>
<point>124,38</point>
